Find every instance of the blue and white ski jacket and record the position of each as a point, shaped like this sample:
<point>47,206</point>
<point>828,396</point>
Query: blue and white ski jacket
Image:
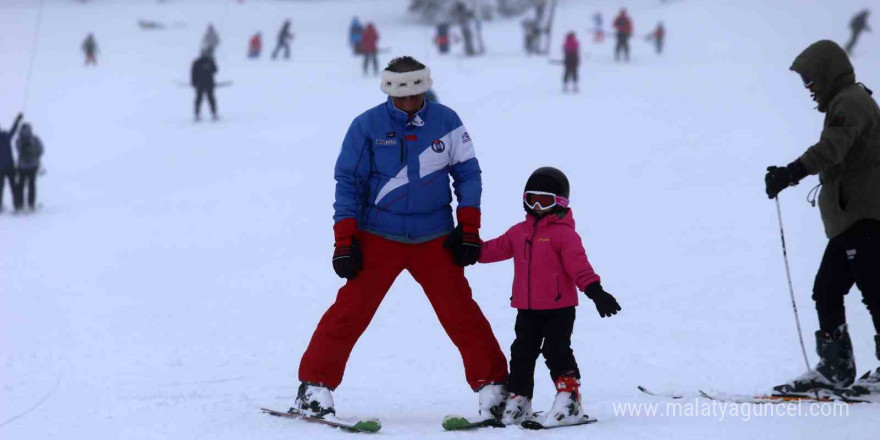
<point>392,174</point>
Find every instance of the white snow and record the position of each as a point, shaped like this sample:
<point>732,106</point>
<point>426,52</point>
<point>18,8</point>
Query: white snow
<point>173,277</point>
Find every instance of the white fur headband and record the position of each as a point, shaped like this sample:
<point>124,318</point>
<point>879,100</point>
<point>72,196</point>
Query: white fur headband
<point>400,84</point>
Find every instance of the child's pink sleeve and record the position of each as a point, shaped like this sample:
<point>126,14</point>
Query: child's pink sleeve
<point>574,257</point>
<point>497,249</point>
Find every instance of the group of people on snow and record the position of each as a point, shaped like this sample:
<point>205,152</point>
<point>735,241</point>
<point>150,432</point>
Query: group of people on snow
<point>20,172</point>
<point>364,41</point>
<point>285,36</point>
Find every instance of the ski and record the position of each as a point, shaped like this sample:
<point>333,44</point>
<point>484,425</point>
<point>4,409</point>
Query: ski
<point>536,425</point>
<point>652,393</point>
<point>459,423</point>
<point>366,425</point>
<point>776,398</point>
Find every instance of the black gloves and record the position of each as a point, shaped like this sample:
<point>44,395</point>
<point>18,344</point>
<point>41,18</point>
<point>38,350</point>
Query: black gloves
<point>347,259</point>
<point>605,303</point>
<point>779,178</point>
<point>465,244</point>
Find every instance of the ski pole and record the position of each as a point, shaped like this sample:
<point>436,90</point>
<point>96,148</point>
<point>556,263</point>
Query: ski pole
<point>797,319</point>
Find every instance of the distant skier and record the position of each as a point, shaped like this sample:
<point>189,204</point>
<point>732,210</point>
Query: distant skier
<point>7,164</point>
<point>211,39</point>
<point>624,27</point>
<point>858,24</point>
<point>546,279</point>
<point>598,32</point>
<point>355,33</point>
<point>255,46</point>
<point>571,49</point>
<point>202,79</point>
<point>532,34</point>
<point>464,17</point>
<point>369,47</point>
<point>847,159</point>
<point>386,224</point>
<point>657,36</point>
<point>284,37</point>
<point>90,48</point>
<point>442,38</point>
<point>30,151</point>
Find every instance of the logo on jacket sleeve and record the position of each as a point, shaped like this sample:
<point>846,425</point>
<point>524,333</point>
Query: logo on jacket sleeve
<point>465,138</point>
<point>438,146</point>
<point>391,135</point>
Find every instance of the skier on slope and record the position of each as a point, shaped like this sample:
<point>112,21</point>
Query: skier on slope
<point>847,159</point>
<point>284,37</point>
<point>571,49</point>
<point>7,165</point>
<point>598,32</point>
<point>202,79</point>
<point>393,213</point>
<point>355,32</point>
<point>545,279</point>
<point>255,46</point>
<point>442,38</point>
<point>90,48</point>
<point>857,25</point>
<point>370,47</point>
<point>624,27</point>
<point>211,39</point>
<point>657,36</point>
<point>30,151</point>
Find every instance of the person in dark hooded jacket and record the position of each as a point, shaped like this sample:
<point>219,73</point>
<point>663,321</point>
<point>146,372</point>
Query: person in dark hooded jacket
<point>30,151</point>
<point>847,160</point>
<point>858,25</point>
<point>7,165</point>
<point>202,79</point>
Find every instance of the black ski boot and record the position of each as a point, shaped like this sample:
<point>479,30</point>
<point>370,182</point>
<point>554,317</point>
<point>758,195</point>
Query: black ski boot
<point>313,400</point>
<point>836,369</point>
<point>870,382</point>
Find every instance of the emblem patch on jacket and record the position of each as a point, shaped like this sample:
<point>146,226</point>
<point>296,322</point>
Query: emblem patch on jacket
<point>438,146</point>
<point>386,141</point>
<point>465,138</point>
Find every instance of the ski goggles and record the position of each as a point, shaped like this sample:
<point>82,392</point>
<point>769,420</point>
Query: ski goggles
<point>543,200</point>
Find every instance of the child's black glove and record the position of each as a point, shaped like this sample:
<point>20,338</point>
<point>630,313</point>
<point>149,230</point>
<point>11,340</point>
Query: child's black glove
<point>605,303</point>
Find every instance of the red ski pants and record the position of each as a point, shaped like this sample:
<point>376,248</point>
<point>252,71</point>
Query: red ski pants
<point>447,289</point>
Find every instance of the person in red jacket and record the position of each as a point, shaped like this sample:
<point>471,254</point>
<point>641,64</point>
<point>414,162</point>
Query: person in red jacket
<point>571,49</point>
<point>369,42</point>
<point>549,264</point>
<point>255,46</point>
<point>624,27</point>
<point>658,35</point>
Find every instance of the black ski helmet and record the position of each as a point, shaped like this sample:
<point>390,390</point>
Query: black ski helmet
<point>548,179</point>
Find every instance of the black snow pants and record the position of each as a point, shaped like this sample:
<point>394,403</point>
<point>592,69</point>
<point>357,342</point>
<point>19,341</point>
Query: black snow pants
<point>27,179</point>
<point>209,92</point>
<point>13,188</point>
<point>371,57</point>
<point>546,332</point>
<point>281,45</point>
<point>622,46</point>
<point>852,257</point>
<point>571,70</point>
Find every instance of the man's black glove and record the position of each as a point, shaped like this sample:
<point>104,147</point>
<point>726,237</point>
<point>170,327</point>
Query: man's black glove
<point>347,259</point>
<point>465,244</point>
<point>779,178</point>
<point>605,303</point>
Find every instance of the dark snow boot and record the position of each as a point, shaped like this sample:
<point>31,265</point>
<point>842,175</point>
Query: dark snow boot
<point>313,400</point>
<point>870,382</point>
<point>836,369</point>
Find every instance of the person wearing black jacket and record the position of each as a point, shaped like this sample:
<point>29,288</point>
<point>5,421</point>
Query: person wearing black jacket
<point>284,37</point>
<point>7,165</point>
<point>202,79</point>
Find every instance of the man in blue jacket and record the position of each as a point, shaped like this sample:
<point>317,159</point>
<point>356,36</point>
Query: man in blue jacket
<point>7,164</point>
<point>393,213</point>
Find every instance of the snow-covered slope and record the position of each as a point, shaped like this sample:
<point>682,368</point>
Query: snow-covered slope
<point>173,277</point>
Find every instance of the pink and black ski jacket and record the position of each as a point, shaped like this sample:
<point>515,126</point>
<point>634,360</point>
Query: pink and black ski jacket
<point>549,262</point>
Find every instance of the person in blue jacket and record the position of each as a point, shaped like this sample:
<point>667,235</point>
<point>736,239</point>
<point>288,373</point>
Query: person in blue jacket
<point>393,213</point>
<point>7,164</point>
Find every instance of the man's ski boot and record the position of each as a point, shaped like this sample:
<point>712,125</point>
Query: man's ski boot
<point>870,382</point>
<point>567,406</point>
<point>836,369</point>
<point>492,399</point>
<point>516,410</point>
<point>313,400</point>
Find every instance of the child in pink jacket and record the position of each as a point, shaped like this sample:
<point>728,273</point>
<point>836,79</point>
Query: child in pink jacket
<point>549,265</point>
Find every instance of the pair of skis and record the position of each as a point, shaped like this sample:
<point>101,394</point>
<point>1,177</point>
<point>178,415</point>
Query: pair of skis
<point>775,398</point>
<point>450,423</point>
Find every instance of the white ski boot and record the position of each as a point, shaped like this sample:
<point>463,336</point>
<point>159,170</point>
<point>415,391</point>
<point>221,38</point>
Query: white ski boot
<point>516,410</point>
<point>492,399</point>
<point>313,400</point>
<point>567,406</point>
